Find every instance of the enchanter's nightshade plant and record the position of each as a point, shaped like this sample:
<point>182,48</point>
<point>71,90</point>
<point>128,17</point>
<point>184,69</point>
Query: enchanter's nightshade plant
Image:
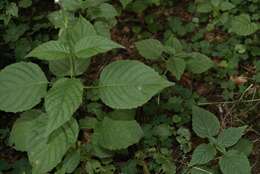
<point>46,134</point>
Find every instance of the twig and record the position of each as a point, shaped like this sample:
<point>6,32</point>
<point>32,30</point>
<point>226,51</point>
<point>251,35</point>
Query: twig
<point>229,102</point>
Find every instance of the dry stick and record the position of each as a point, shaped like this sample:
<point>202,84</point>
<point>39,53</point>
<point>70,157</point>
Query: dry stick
<point>234,101</point>
<point>229,102</point>
<point>239,101</point>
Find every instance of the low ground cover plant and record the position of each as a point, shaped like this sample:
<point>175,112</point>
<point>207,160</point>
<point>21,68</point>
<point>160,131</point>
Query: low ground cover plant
<point>128,86</point>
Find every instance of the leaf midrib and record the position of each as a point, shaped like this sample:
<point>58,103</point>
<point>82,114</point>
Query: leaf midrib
<point>131,85</point>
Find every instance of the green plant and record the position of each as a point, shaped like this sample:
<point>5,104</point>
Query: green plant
<point>49,135</point>
<point>184,138</point>
<point>214,6</point>
<point>177,60</point>
<point>73,100</point>
<point>224,15</point>
<point>206,125</point>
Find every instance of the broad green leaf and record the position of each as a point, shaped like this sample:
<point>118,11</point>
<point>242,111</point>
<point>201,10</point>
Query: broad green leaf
<point>215,3</point>
<point>46,153</point>
<point>104,10</point>
<point>61,19</point>
<point>93,45</point>
<point>97,149</point>
<point>103,29</point>
<point>71,5</point>
<point>37,122</point>
<point>176,66</point>
<point>51,50</point>
<point>138,6</point>
<point>81,29</point>
<point>204,7</point>
<point>244,146</point>
<point>22,130</point>
<point>230,136</point>
<point>173,45</point>
<point>116,134</point>
<point>225,6</point>
<point>57,18</point>
<point>150,48</point>
<point>22,85</point>
<point>243,26</point>
<point>199,63</point>
<point>203,154</point>
<point>25,3</point>
<point>71,161</point>
<point>204,123</point>
<point>93,3</point>
<point>127,84</point>
<point>233,163</point>
<point>125,2</point>
<point>62,68</point>
<point>61,101</point>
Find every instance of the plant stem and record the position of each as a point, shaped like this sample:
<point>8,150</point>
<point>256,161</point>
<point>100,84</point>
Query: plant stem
<point>91,87</point>
<point>145,168</point>
<point>72,67</point>
<point>200,169</point>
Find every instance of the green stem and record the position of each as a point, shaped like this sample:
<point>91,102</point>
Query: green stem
<point>200,169</point>
<point>145,168</point>
<point>91,87</point>
<point>222,150</point>
<point>72,67</point>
